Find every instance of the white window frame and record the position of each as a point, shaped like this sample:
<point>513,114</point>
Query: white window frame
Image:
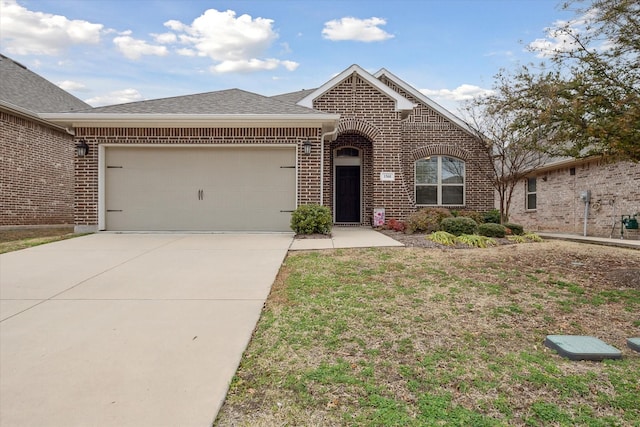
<point>528,193</point>
<point>439,183</point>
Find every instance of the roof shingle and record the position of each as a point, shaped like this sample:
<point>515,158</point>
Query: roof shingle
<point>27,90</point>
<point>230,101</point>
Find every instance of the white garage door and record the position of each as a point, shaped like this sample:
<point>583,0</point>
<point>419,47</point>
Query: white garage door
<point>199,188</point>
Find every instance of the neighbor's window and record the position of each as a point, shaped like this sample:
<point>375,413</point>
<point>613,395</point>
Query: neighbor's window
<point>440,181</point>
<point>532,198</point>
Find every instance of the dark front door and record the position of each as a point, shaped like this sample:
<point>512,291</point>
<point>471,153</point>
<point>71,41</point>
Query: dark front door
<point>347,193</point>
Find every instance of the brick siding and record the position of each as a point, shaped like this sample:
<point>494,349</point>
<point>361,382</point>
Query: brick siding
<point>615,190</point>
<point>36,173</point>
<point>369,122</point>
<point>393,144</point>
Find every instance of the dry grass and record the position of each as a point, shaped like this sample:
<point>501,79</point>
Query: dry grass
<point>414,336</point>
<point>21,238</point>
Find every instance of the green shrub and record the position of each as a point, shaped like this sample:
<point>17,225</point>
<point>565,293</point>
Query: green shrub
<point>459,225</point>
<point>426,220</point>
<point>475,215</point>
<point>443,238</point>
<point>492,216</point>
<point>515,228</point>
<point>310,219</point>
<point>492,230</point>
<point>476,241</point>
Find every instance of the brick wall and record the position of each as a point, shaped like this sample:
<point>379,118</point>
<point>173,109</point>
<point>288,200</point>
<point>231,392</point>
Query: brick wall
<point>396,143</point>
<point>36,173</point>
<point>615,190</point>
<point>86,169</point>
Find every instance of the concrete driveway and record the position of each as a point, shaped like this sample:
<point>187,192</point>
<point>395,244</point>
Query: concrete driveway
<point>129,329</point>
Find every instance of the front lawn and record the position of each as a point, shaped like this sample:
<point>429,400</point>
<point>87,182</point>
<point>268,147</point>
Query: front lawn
<point>414,336</point>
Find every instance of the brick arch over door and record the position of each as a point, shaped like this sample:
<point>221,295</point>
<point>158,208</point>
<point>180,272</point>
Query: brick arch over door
<point>353,125</point>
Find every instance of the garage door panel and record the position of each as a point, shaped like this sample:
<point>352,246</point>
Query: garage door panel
<point>213,188</point>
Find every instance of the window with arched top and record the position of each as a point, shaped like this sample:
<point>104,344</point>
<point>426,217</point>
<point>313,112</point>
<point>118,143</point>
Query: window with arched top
<point>439,181</point>
<point>347,152</point>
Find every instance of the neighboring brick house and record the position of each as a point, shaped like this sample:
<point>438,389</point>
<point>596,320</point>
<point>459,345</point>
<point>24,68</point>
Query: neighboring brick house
<point>234,160</point>
<point>549,199</point>
<point>36,156</point>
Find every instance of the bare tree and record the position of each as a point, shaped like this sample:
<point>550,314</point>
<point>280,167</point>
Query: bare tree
<point>510,157</point>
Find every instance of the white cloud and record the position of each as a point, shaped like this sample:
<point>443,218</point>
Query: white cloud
<point>26,32</point>
<point>165,38</point>
<point>186,52</point>
<point>223,37</point>
<point>349,28</point>
<point>116,97</point>
<point>70,85</point>
<point>235,43</point>
<point>461,93</point>
<point>134,48</point>
<point>250,65</point>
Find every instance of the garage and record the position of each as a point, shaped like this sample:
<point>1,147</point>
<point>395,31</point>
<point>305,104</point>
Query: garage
<point>197,188</point>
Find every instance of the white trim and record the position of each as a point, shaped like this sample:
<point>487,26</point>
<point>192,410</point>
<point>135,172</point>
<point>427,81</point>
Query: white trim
<point>439,183</point>
<point>192,120</point>
<point>428,101</point>
<point>102,206</point>
<point>402,103</point>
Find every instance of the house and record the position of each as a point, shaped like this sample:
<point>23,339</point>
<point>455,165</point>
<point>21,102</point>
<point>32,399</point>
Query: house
<point>36,156</point>
<point>232,160</point>
<point>554,197</point>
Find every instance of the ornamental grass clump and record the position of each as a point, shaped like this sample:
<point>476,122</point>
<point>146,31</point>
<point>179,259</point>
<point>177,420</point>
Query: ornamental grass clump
<point>477,241</point>
<point>532,237</point>
<point>443,238</point>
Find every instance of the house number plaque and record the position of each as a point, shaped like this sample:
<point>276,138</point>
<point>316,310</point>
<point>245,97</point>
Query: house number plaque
<point>387,176</point>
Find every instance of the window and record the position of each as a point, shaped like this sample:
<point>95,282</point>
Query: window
<point>348,152</point>
<point>532,198</point>
<point>440,181</point>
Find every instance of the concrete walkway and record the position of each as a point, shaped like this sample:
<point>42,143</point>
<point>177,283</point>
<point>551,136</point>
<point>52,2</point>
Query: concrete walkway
<point>129,329</point>
<point>346,237</point>
<point>621,243</point>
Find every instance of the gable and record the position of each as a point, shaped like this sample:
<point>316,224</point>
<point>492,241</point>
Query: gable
<point>400,102</point>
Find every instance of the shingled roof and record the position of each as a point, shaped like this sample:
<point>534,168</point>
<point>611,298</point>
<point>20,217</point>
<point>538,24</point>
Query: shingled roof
<point>230,101</point>
<point>25,89</point>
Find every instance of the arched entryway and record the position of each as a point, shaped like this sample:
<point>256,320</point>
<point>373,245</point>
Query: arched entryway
<point>351,185</point>
<point>347,173</point>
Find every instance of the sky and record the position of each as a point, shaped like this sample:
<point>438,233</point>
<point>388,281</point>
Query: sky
<point>115,51</point>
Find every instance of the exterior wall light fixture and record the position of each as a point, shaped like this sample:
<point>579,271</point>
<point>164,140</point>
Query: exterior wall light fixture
<point>82,149</point>
<point>306,145</point>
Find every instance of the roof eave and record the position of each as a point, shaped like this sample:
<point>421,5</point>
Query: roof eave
<point>428,101</point>
<point>192,120</point>
<point>31,115</point>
